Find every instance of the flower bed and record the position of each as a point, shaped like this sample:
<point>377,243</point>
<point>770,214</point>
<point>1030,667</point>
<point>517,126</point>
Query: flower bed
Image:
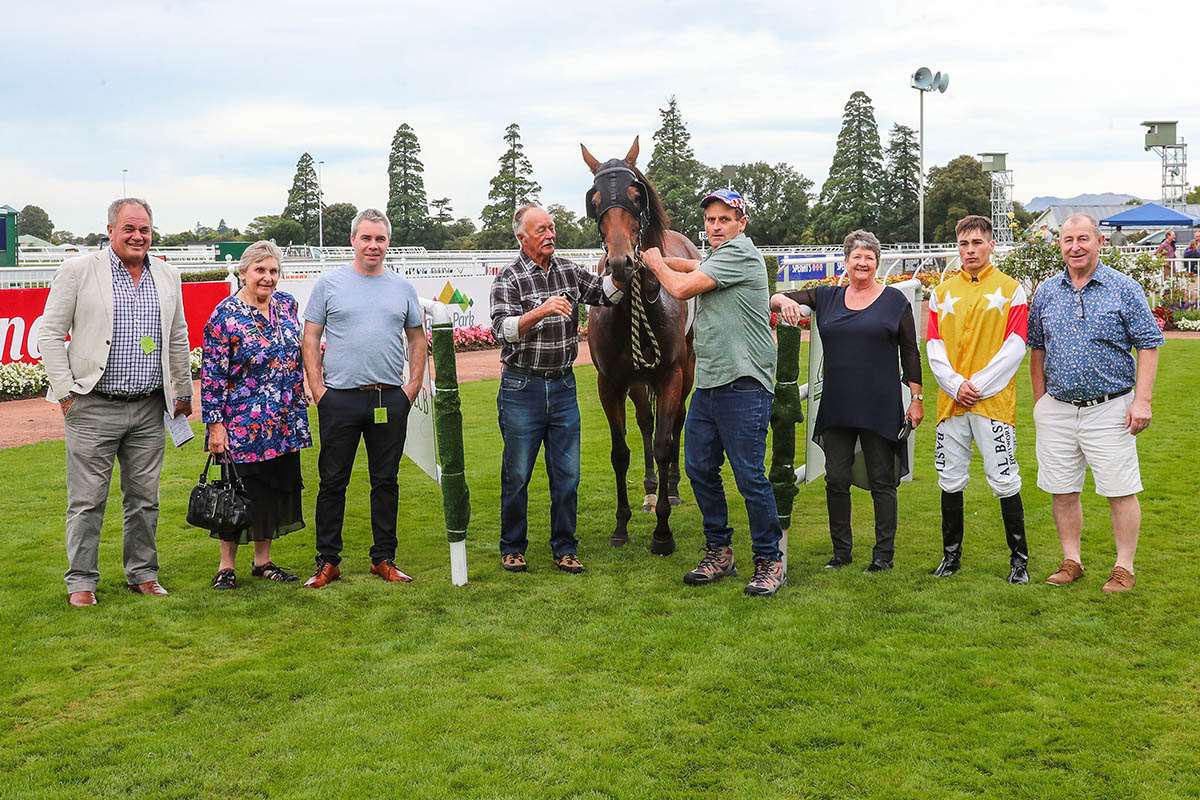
<point>19,381</point>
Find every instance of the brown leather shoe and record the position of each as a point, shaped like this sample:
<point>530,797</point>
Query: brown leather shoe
<point>514,562</point>
<point>1068,572</point>
<point>81,599</point>
<point>148,587</point>
<point>390,572</point>
<point>325,574</point>
<point>1119,580</point>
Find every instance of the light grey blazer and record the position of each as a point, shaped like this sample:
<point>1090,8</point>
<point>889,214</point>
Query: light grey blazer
<point>81,304</point>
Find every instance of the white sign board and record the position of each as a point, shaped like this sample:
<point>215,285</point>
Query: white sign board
<point>814,456</point>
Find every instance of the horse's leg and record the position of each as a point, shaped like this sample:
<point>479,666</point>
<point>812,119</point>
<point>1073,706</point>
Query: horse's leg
<point>688,367</point>
<point>645,422</point>
<point>612,398</point>
<point>666,445</point>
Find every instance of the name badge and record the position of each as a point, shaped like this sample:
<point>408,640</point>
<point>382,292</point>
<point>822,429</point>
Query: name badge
<point>147,345</point>
<point>380,416</point>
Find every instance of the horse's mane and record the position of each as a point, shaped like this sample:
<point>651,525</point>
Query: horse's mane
<point>659,222</point>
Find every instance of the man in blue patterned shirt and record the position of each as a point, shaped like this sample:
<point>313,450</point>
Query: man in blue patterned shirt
<point>1090,398</point>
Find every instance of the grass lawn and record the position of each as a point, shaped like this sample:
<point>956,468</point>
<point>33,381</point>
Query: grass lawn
<point>622,682</point>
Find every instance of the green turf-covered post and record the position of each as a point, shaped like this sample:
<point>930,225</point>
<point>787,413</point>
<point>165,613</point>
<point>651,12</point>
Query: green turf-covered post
<point>447,425</point>
<point>785,414</point>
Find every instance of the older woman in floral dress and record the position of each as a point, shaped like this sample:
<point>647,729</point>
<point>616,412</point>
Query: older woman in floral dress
<point>253,401</point>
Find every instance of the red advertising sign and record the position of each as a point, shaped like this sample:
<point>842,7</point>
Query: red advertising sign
<point>21,317</point>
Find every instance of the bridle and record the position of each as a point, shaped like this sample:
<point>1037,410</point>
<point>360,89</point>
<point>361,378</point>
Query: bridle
<point>612,182</point>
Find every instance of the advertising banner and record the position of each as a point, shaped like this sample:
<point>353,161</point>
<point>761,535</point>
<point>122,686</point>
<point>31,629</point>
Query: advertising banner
<point>794,267</point>
<point>21,317</point>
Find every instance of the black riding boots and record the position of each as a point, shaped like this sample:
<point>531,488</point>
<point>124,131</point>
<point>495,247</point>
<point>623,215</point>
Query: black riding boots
<point>952,534</point>
<point>1013,513</point>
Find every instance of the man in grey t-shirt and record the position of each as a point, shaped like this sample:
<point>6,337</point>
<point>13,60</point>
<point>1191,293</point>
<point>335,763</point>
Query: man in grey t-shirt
<point>367,314</point>
<point>735,373</point>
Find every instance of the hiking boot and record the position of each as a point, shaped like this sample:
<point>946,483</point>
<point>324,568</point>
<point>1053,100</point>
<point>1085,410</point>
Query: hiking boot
<point>716,564</point>
<point>569,562</point>
<point>768,579</point>
<point>514,562</point>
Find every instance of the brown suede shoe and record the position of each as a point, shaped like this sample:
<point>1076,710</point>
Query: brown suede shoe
<point>148,587</point>
<point>390,572</point>
<point>569,562</point>
<point>1119,580</point>
<point>81,599</point>
<point>325,574</point>
<point>1068,572</point>
<point>514,562</point>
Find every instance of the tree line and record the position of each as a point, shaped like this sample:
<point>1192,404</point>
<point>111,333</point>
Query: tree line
<point>870,186</point>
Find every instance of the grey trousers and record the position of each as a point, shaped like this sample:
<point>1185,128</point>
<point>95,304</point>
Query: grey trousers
<point>98,431</point>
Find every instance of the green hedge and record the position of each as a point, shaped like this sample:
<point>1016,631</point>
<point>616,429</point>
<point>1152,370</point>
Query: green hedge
<point>204,276</point>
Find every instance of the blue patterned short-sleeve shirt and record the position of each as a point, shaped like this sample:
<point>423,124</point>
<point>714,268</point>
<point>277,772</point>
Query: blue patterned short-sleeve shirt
<point>1087,333</point>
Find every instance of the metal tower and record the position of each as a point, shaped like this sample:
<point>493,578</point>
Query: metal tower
<point>1002,191</point>
<point>1162,139</point>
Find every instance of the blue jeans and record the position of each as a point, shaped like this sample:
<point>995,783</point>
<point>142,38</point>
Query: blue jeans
<point>534,410</point>
<point>731,420</point>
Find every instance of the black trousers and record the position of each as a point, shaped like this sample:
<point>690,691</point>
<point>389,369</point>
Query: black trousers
<point>345,415</point>
<point>880,455</point>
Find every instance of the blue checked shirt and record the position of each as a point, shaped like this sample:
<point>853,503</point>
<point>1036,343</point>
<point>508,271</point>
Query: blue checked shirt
<point>553,342</point>
<point>130,371</point>
<point>1087,333</point>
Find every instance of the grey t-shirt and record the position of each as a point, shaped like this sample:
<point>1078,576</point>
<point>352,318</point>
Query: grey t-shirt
<point>364,318</point>
<point>733,321</point>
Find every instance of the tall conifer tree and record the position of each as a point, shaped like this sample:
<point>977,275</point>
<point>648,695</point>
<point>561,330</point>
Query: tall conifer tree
<point>850,197</point>
<point>407,208</point>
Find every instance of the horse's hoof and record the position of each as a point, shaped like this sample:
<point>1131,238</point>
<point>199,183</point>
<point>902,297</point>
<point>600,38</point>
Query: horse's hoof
<point>662,547</point>
<point>650,503</point>
<point>676,500</point>
<point>618,540</point>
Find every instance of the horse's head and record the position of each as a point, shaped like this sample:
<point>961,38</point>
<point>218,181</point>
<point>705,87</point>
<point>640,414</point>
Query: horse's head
<point>619,201</point>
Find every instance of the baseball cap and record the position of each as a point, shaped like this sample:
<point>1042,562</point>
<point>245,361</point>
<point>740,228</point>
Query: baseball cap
<point>727,196</point>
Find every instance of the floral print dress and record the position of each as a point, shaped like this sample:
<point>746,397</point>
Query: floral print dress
<point>252,379</point>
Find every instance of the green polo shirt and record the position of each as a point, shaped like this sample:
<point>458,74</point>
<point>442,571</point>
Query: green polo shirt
<point>733,321</point>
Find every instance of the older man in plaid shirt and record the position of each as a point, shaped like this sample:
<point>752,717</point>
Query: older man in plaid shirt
<point>534,301</point>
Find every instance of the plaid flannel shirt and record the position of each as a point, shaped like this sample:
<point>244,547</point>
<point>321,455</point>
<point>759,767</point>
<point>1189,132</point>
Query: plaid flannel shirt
<point>129,371</point>
<point>553,342</point>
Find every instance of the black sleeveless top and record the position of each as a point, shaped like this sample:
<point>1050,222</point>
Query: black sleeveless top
<point>863,355</point>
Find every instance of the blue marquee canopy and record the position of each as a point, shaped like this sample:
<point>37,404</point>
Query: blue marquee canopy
<point>1151,215</point>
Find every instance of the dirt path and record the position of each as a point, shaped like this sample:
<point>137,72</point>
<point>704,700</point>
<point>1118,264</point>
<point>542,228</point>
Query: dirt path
<point>31,421</point>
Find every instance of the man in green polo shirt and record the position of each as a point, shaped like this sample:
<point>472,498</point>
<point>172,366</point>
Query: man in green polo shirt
<point>731,407</point>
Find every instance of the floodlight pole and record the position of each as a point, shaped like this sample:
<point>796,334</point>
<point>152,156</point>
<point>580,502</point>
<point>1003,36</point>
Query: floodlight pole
<point>320,209</point>
<point>921,179</point>
<point>124,190</point>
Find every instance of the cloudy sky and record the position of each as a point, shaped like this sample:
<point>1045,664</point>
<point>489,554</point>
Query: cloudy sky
<point>208,105</point>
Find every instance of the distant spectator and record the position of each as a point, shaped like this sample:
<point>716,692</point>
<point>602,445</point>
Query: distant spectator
<point>1045,234</point>
<point>1118,239</point>
<point>1192,254</point>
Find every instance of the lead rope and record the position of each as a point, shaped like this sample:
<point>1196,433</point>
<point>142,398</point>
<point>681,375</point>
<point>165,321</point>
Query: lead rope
<point>639,326</point>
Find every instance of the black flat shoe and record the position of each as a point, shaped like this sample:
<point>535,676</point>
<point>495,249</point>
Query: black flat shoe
<point>225,579</point>
<point>272,573</point>
<point>837,562</point>
<point>878,566</point>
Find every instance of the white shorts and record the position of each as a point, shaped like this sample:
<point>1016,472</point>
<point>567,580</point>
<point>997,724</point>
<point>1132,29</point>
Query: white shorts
<point>997,443</point>
<point>1070,439</point>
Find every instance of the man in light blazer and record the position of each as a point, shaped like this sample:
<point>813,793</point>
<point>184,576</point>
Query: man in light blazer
<point>127,362</point>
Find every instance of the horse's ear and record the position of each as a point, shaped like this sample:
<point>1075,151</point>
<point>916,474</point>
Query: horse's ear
<point>589,159</point>
<point>631,156</point>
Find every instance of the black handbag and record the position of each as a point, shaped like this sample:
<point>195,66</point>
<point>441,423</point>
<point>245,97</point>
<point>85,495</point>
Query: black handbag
<point>223,505</point>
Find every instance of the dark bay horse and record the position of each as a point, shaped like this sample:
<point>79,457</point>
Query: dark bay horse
<point>642,348</point>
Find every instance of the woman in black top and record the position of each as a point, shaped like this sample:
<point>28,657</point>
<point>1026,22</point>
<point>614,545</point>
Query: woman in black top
<point>864,326</point>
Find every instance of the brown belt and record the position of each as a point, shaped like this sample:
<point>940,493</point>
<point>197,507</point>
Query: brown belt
<point>376,387</point>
